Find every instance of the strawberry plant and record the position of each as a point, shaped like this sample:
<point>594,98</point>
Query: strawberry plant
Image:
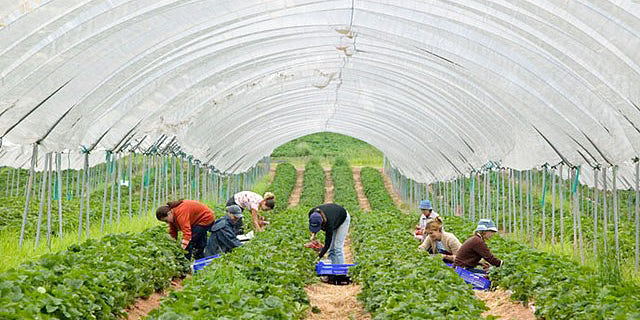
<point>560,287</point>
<point>92,280</point>
<point>282,185</point>
<point>344,186</point>
<point>263,279</point>
<point>313,185</point>
<point>399,282</point>
<point>378,197</point>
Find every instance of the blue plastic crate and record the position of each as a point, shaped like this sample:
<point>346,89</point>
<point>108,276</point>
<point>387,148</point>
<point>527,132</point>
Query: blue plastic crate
<point>332,269</point>
<point>478,281</point>
<point>201,263</point>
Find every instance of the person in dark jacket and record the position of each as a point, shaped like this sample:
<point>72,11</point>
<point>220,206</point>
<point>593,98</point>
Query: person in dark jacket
<point>334,220</point>
<point>223,236</point>
<point>475,248</point>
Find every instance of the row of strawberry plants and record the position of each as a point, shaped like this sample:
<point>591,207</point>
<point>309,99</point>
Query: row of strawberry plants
<point>343,185</point>
<point>283,183</point>
<point>398,282</point>
<point>378,197</point>
<point>263,279</point>
<point>313,186</point>
<point>560,287</point>
<point>92,280</point>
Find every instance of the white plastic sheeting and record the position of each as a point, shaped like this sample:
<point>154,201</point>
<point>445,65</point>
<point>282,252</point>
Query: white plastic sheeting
<point>441,87</point>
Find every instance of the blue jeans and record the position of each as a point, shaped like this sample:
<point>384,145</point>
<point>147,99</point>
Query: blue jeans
<point>336,250</point>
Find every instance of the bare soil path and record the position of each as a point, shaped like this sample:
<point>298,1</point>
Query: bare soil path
<point>143,306</point>
<point>336,302</point>
<point>328,185</point>
<point>272,174</point>
<point>331,301</point>
<point>297,190</point>
<point>392,192</point>
<point>500,305</point>
<point>362,199</point>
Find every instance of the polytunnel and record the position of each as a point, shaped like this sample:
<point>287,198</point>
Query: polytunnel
<point>440,87</point>
<point>149,129</point>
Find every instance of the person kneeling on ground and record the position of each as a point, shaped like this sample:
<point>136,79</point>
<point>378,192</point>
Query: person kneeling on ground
<point>192,218</point>
<point>223,236</point>
<point>334,220</point>
<point>475,248</point>
<point>427,213</point>
<point>439,242</point>
<point>253,202</point>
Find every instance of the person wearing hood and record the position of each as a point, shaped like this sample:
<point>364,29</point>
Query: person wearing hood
<point>475,248</point>
<point>334,220</point>
<point>223,234</point>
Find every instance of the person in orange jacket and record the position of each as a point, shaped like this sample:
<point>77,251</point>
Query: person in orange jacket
<point>193,219</point>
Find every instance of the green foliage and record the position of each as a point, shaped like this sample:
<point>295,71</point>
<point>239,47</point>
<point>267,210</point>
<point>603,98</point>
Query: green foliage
<point>313,186</point>
<point>263,279</point>
<point>96,279</point>
<point>373,185</point>
<point>344,190</point>
<point>561,288</point>
<point>283,183</point>
<point>325,144</point>
<point>399,282</point>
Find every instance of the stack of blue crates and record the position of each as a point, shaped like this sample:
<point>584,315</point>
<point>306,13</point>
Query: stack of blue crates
<point>332,269</point>
<point>201,263</point>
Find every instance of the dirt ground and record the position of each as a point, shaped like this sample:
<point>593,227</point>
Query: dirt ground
<point>143,306</point>
<point>500,305</point>
<point>331,301</point>
<point>362,199</point>
<point>392,192</point>
<point>272,174</point>
<point>328,184</point>
<point>297,190</point>
<point>336,302</point>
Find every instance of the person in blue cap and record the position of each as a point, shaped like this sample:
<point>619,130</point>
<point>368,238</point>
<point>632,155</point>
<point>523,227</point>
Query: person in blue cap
<point>427,213</point>
<point>223,232</point>
<point>334,220</point>
<point>475,248</point>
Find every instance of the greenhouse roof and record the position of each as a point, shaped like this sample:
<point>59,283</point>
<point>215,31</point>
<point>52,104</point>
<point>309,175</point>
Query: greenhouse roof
<point>441,87</point>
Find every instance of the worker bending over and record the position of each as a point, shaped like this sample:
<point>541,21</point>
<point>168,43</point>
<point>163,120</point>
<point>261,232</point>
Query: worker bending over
<point>193,219</point>
<point>253,202</point>
<point>223,235</point>
<point>440,242</point>
<point>475,248</point>
<point>334,220</point>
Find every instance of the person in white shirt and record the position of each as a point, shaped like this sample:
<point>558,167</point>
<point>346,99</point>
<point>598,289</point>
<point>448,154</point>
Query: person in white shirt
<point>427,213</point>
<point>254,203</point>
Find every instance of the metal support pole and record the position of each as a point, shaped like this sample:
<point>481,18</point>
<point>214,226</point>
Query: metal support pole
<point>34,159</point>
<point>50,174</point>
<point>43,191</point>
<point>616,215</point>
<point>605,212</point>
<point>58,169</point>
<point>106,187</point>
<point>130,184</point>
<point>561,212</point>
<point>595,213</point>
<point>87,171</point>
